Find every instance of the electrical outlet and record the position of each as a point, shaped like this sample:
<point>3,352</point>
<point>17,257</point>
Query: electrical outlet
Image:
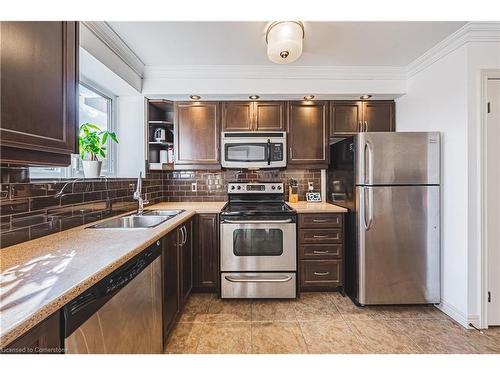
<point>310,186</point>
<point>194,186</point>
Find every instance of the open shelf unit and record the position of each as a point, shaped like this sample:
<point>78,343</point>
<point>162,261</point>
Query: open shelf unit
<point>160,116</point>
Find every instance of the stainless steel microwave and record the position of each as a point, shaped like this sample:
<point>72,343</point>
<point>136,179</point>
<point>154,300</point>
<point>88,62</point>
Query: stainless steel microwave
<point>253,150</point>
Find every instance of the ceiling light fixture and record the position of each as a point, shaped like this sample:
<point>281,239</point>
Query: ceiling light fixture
<point>364,97</point>
<point>309,97</point>
<point>284,41</point>
<point>254,97</point>
<point>195,97</point>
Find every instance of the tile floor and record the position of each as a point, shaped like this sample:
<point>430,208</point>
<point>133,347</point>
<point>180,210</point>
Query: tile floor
<point>320,323</point>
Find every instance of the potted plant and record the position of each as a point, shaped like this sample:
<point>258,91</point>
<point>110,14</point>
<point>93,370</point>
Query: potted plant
<point>92,143</point>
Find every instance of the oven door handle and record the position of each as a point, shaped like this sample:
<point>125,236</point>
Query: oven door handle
<point>257,279</point>
<point>268,152</point>
<point>257,221</point>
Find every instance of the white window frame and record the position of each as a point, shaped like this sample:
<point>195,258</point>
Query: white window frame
<point>75,169</point>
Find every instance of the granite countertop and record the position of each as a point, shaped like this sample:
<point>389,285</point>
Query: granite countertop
<point>304,207</point>
<point>39,277</point>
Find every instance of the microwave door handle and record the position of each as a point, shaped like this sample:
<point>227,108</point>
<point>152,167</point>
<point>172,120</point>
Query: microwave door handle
<point>268,152</point>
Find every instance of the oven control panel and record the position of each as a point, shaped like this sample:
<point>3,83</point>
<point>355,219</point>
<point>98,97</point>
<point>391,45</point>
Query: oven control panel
<point>255,187</point>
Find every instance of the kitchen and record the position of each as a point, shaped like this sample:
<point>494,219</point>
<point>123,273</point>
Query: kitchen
<point>253,198</point>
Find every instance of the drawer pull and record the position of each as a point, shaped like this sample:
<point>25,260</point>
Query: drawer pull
<point>321,273</point>
<point>320,252</point>
<point>320,236</point>
<point>319,220</point>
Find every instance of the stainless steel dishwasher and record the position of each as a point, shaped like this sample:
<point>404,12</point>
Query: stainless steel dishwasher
<point>121,313</point>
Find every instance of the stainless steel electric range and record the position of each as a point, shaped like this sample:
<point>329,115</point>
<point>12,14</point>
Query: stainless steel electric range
<point>258,242</point>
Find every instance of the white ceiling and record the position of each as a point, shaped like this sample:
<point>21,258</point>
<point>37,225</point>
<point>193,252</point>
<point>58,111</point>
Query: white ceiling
<point>243,43</point>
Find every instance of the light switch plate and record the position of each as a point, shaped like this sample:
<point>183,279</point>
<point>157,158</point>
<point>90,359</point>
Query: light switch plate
<point>194,186</point>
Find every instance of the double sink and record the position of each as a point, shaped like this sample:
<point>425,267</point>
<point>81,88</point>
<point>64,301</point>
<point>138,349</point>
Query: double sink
<point>146,219</point>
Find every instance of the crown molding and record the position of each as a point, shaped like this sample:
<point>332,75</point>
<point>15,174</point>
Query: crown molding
<point>272,72</point>
<point>109,37</point>
<point>471,32</point>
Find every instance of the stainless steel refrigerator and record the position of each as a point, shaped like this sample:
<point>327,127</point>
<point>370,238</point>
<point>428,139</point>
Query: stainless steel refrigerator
<point>390,183</point>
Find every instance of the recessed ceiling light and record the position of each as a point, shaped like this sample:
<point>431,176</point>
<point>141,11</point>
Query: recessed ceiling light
<point>254,97</point>
<point>309,97</point>
<point>195,97</point>
<point>364,97</point>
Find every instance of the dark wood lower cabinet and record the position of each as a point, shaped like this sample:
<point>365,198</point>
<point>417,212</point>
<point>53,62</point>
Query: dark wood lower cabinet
<point>320,244</point>
<point>44,338</point>
<point>186,260</point>
<point>206,253</point>
<point>170,281</point>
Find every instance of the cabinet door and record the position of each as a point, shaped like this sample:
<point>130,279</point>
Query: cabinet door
<point>197,135</point>
<point>44,338</point>
<point>39,70</point>
<point>346,118</point>
<point>307,133</point>
<point>170,279</point>
<point>186,258</point>
<point>378,116</point>
<point>269,116</point>
<point>237,116</point>
<point>206,258</point>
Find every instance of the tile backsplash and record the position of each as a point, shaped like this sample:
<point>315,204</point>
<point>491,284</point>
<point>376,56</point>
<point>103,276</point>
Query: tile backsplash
<point>34,208</point>
<point>212,186</point>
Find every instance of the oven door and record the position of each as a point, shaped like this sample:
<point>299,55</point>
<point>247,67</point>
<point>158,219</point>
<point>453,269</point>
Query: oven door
<point>255,245</point>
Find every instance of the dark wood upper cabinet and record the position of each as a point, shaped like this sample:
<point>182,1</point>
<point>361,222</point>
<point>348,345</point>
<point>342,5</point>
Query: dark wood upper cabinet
<point>351,117</point>
<point>249,116</point>
<point>308,133</point>
<point>346,117</point>
<point>379,116</point>
<point>39,70</point>
<point>206,253</point>
<point>269,116</point>
<point>197,135</point>
<point>237,116</point>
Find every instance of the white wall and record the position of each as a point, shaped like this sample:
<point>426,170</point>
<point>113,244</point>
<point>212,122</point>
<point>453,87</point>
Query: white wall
<point>445,96</point>
<point>130,131</point>
<point>436,100</point>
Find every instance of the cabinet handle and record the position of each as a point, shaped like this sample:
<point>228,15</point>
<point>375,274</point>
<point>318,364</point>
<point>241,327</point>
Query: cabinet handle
<point>321,273</point>
<point>320,236</point>
<point>319,220</point>
<point>158,243</point>
<point>366,126</point>
<point>320,252</point>
<point>291,157</point>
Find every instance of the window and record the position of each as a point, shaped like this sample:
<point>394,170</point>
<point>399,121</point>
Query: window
<point>95,107</point>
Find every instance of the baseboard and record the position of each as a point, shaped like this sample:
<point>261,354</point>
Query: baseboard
<point>454,313</point>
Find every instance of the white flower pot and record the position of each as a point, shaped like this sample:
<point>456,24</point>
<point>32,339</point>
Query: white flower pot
<point>92,168</point>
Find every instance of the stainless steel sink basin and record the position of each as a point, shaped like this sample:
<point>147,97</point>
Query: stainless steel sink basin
<point>170,213</point>
<point>148,219</point>
<point>131,222</point>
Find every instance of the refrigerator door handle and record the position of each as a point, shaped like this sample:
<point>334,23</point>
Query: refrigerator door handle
<point>368,161</point>
<point>368,204</point>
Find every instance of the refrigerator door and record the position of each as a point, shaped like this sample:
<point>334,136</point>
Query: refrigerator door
<point>398,244</point>
<point>398,158</point>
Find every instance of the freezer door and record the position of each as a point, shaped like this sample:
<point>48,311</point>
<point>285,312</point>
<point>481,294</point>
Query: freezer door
<point>398,245</point>
<point>398,158</point>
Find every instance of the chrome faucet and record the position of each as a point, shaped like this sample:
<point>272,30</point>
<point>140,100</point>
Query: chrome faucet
<point>138,195</point>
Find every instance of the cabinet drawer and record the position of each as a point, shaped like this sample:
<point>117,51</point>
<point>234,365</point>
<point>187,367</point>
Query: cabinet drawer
<point>320,220</point>
<point>331,251</point>
<point>320,273</point>
<point>320,236</point>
